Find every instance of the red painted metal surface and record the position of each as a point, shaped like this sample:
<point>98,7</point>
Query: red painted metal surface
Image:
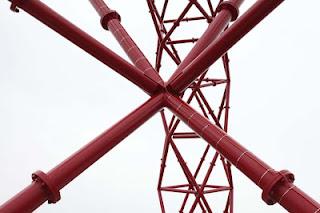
<point>38,191</point>
<point>227,11</point>
<point>220,46</point>
<point>71,32</point>
<point>203,174</point>
<point>276,186</point>
<point>111,20</point>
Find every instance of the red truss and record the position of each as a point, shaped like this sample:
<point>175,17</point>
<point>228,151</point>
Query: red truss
<point>188,82</point>
<point>198,187</point>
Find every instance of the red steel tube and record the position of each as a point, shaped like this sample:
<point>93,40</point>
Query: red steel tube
<point>110,20</point>
<point>39,191</point>
<point>80,38</point>
<point>276,186</point>
<point>220,46</point>
<point>228,11</point>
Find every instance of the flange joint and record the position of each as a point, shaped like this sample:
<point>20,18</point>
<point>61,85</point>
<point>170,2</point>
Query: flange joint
<point>231,7</point>
<point>281,178</point>
<point>110,15</point>
<point>49,187</point>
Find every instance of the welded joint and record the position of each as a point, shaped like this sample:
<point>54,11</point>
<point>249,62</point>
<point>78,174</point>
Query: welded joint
<point>263,175</point>
<point>190,117</point>
<point>117,30</point>
<point>132,48</point>
<point>203,129</point>
<point>169,87</point>
<point>317,211</point>
<point>110,15</point>
<point>124,38</point>
<point>139,59</point>
<point>285,193</point>
<point>231,7</point>
<point>179,107</point>
<point>220,140</point>
<point>149,68</point>
<point>158,81</point>
<point>14,5</point>
<point>239,158</point>
<point>45,181</point>
<point>282,177</point>
<point>160,88</point>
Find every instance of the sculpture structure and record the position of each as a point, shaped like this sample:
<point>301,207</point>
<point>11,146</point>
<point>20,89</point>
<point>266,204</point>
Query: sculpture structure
<point>190,77</point>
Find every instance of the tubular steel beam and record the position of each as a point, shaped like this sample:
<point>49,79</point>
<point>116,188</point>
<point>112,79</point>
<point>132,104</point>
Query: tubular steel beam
<point>276,186</point>
<point>46,186</point>
<point>228,11</point>
<point>220,46</point>
<point>110,20</point>
<point>80,38</point>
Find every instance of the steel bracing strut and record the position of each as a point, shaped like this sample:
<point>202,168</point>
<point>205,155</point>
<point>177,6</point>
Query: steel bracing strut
<point>277,186</point>
<point>196,185</point>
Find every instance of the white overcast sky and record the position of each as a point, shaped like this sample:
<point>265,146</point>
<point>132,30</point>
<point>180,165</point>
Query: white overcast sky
<point>54,98</point>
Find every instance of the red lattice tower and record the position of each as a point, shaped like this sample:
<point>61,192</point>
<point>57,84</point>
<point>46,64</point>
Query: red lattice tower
<point>166,29</point>
<point>188,81</point>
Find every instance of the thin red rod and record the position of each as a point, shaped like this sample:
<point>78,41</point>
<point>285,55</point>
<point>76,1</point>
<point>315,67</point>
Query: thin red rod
<point>39,191</point>
<point>227,168</point>
<point>80,38</point>
<point>164,8</point>
<point>220,46</point>
<point>163,161</point>
<point>225,59</point>
<point>160,28</point>
<point>219,23</point>
<point>110,20</point>
<point>184,202</point>
<point>204,182</point>
<point>176,23</point>
<point>182,41</point>
<point>211,8</point>
<point>191,179</point>
<point>276,186</point>
<point>188,174</point>
<point>168,189</point>
<point>184,19</point>
<point>217,190</point>
<point>201,106</point>
<point>184,135</point>
<point>210,110</point>
<point>202,10</point>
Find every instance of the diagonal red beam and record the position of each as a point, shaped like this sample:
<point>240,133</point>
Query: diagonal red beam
<point>220,46</point>
<point>83,40</point>
<point>276,186</point>
<point>46,186</point>
<point>228,11</point>
<point>110,20</point>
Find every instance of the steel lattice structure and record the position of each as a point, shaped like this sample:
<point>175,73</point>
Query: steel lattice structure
<point>195,92</point>
<point>187,82</point>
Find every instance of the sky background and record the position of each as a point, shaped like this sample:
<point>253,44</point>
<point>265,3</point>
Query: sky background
<point>54,98</point>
